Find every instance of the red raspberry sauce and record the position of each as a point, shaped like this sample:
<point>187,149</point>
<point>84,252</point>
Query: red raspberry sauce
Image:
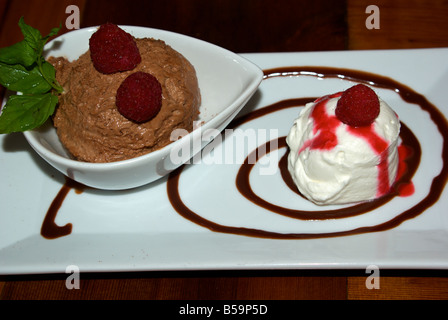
<point>325,126</point>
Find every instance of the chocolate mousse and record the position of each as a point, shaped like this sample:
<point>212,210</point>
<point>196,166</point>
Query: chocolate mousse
<point>88,122</point>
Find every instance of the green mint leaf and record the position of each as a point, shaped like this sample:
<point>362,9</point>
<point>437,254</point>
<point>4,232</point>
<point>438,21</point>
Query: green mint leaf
<point>31,36</point>
<point>49,72</point>
<point>53,32</point>
<point>19,53</point>
<point>24,69</point>
<point>28,81</point>
<point>29,50</point>
<point>26,112</point>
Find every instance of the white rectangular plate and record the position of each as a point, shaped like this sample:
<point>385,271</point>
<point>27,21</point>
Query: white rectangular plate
<point>138,230</point>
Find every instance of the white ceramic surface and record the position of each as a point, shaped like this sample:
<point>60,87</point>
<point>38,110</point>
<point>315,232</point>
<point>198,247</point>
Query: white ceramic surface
<point>138,229</point>
<point>226,81</point>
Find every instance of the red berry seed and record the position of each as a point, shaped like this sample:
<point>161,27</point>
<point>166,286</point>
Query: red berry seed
<point>358,106</point>
<point>139,97</point>
<point>113,50</point>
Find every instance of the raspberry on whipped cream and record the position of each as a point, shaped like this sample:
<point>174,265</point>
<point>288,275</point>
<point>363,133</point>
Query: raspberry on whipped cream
<point>332,162</point>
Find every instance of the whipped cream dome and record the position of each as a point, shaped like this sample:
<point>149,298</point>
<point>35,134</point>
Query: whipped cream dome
<point>334,163</point>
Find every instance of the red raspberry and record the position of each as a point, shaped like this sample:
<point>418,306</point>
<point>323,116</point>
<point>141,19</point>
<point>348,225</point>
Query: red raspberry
<point>113,50</point>
<point>139,97</point>
<point>358,106</point>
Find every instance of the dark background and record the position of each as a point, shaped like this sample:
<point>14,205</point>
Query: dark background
<point>240,26</point>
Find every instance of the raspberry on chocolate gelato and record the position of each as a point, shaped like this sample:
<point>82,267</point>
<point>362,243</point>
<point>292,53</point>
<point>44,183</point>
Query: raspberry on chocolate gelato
<point>88,122</point>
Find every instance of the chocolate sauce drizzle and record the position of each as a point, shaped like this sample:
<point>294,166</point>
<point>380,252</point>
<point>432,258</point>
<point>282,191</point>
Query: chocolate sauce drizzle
<point>408,138</point>
<point>50,230</point>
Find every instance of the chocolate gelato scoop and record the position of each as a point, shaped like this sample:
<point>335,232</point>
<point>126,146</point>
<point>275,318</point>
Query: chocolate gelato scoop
<point>88,122</point>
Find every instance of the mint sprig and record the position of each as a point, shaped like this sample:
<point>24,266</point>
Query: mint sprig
<point>24,70</point>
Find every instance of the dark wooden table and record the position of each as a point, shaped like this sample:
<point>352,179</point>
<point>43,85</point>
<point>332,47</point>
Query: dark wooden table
<point>243,26</point>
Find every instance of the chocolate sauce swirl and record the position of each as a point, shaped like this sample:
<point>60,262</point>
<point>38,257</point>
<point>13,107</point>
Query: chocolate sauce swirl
<point>50,230</point>
<point>408,138</point>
